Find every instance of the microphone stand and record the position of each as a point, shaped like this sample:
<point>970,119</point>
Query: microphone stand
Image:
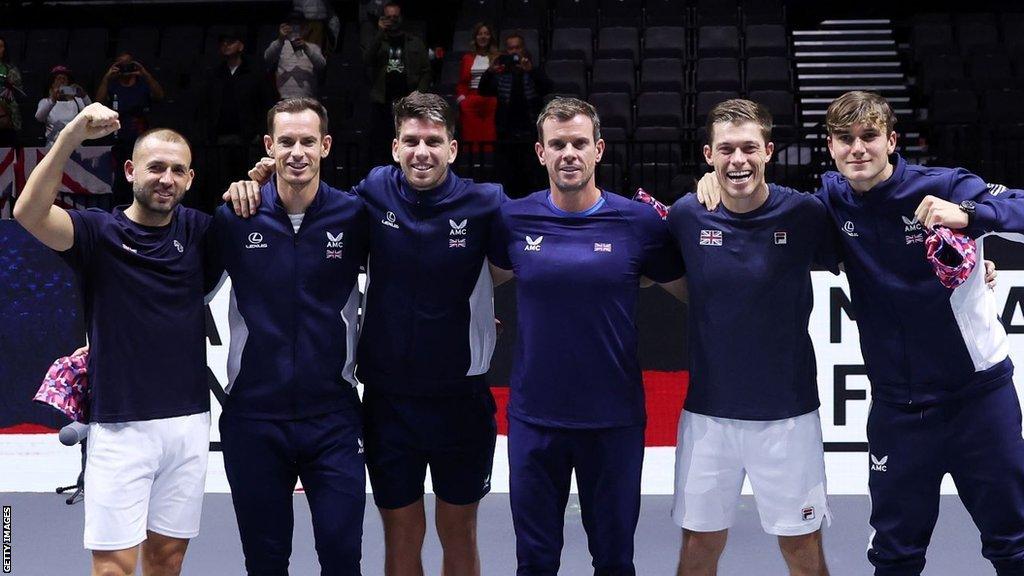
<point>79,486</point>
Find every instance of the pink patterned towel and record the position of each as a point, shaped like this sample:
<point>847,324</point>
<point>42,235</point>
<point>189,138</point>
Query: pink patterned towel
<point>66,387</point>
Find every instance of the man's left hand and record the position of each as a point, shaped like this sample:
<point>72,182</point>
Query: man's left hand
<point>244,197</point>
<point>934,212</point>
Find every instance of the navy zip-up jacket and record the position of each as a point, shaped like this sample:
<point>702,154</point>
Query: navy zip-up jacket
<point>428,315</point>
<point>294,304</point>
<point>922,342</point>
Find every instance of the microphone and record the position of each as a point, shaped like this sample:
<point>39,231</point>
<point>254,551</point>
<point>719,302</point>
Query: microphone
<point>73,433</point>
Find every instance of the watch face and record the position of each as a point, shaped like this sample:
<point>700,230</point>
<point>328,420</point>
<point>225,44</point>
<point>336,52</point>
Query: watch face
<point>968,205</point>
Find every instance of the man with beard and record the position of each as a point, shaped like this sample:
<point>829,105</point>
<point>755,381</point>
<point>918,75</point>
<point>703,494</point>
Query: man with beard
<point>292,411</point>
<point>578,254</point>
<point>140,270</point>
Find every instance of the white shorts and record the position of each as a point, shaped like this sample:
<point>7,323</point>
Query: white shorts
<point>783,458</point>
<point>145,475</point>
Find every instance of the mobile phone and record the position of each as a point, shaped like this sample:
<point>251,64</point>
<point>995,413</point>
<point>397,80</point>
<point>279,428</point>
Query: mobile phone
<point>68,90</point>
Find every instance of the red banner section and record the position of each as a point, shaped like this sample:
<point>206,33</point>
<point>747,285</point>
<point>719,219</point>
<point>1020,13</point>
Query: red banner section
<point>665,393</point>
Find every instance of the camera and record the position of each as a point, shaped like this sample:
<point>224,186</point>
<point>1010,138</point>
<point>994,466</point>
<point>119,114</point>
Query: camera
<point>68,91</point>
<point>509,60</point>
<point>128,68</point>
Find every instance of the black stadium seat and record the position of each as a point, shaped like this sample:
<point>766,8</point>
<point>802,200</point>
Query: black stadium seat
<point>665,42</point>
<point>990,69</point>
<point>619,42</point>
<point>973,36</point>
<point>708,100</point>
<point>657,144</point>
<point>615,109</point>
<point>779,102</point>
<point>613,75</point>
<point>718,74</point>
<point>1002,107</point>
<point>659,109</point>
<point>765,40</point>
<point>621,12</point>
<point>941,71</point>
<point>715,41</point>
<point>665,13</point>
<point>572,43</point>
<point>662,74</point>
<point>953,107</point>
<point>768,73</point>
<point>931,38</point>
<point>567,76</point>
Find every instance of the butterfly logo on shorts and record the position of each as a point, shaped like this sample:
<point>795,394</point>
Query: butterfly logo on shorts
<point>878,465</point>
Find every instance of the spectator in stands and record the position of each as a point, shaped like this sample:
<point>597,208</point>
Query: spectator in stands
<point>322,25</point>
<point>520,86</point>
<point>129,89</point>
<point>10,88</point>
<point>397,63</point>
<point>65,99</point>
<point>297,62</point>
<point>477,112</point>
<point>234,96</point>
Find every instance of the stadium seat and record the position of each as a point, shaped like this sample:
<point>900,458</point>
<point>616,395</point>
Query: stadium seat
<point>765,40</point>
<point>975,36</point>
<point>717,13</point>
<point>619,42</point>
<point>659,109</point>
<point>575,13</point>
<point>762,12</point>
<point>779,103</point>
<point>768,73</point>
<point>1002,107</point>
<point>658,74</point>
<point>716,41</point>
<point>473,11</point>
<point>1013,31</point>
<point>610,175</point>
<point>708,100</point>
<point>657,144</point>
<point>621,12</point>
<point>930,38</point>
<point>567,76</point>
<point>718,74</point>
<point>990,69</point>
<point>665,13</point>
<point>941,71</point>
<point>572,43</point>
<point>615,108</point>
<point>141,42</point>
<point>525,14</point>
<point>953,107</point>
<point>613,75</point>
<point>654,177</point>
<point>665,42</point>
<point>450,69</point>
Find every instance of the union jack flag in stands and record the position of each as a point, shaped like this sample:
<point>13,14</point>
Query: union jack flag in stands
<point>90,170</point>
<point>8,159</point>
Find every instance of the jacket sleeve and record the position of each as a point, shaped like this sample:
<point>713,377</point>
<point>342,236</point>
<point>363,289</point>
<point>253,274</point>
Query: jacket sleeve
<point>488,84</point>
<point>998,208</point>
<point>465,72</point>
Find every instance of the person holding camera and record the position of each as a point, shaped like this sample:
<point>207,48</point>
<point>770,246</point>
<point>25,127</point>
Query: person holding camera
<point>297,61</point>
<point>397,64</point>
<point>520,85</point>
<point>63,102</point>
<point>129,89</point>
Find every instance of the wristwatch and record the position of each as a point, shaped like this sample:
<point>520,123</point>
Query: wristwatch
<point>969,207</point>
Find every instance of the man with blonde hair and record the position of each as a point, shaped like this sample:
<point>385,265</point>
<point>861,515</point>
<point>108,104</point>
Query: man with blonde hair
<point>751,410</point>
<point>141,273</point>
<point>943,399</point>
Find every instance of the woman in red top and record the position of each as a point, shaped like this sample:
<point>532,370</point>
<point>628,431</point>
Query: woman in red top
<point>477,111</point>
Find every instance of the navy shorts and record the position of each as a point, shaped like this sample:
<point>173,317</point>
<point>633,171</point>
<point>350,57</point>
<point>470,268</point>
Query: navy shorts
<point>454,435</point>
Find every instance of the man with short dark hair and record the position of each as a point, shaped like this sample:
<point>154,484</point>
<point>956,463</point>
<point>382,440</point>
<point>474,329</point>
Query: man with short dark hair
<point>292,411</point>
<point>141,273</point>
<point>578,254</point>
<point>751,407</point>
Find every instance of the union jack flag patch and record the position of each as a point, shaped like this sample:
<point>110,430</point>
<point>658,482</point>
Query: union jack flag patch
<point>602,246</point>
<point>915,238</point>
<point>456,242</point>
<point>334,253</point>
<point>710,237</point>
